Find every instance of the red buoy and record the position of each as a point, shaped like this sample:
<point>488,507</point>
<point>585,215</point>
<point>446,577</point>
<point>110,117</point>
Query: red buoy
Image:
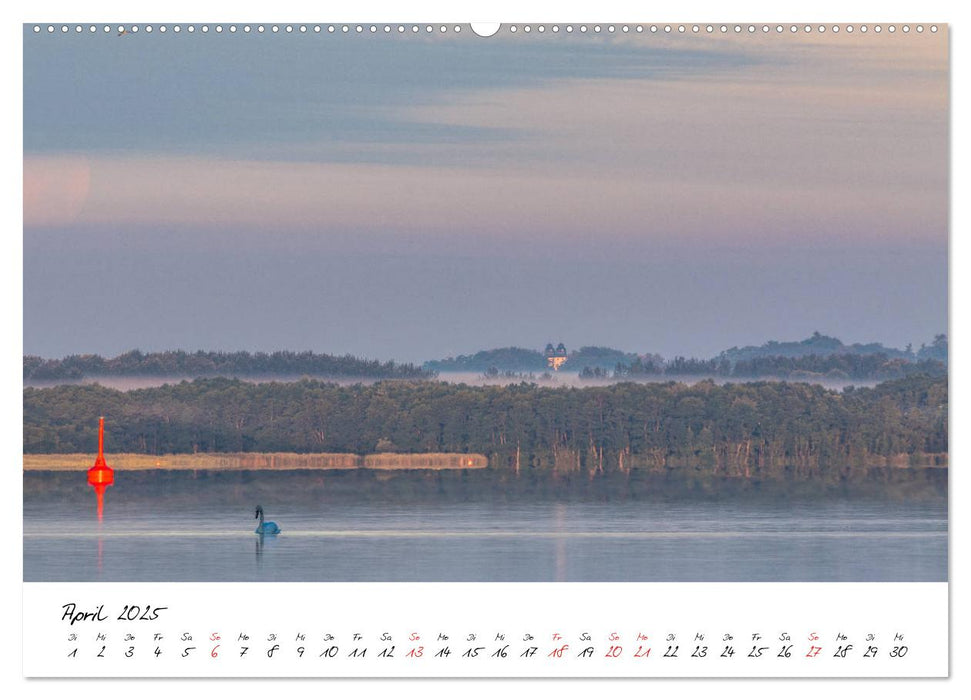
<point>101,476</point>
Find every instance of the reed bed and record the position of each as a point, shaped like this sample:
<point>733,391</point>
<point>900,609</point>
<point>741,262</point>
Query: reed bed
<point>240,461</point>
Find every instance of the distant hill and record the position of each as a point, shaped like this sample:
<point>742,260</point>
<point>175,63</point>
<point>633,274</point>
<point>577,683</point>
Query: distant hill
<point>179,363</point>
<point>502,359</point>
<point>817,356</point>
<point>817,344</point>
<point>523,360</point>
<point>604,358</point>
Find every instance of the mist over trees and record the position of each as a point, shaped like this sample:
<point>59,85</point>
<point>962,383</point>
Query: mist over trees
<point>803,368</point>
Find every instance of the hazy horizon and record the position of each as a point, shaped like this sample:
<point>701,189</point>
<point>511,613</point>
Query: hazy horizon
<point>539,348</point>
<point>420,197</point>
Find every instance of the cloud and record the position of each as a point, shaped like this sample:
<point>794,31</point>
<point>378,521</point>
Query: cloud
<point>712,137</point>
<point>867,112</point>
<point>463,202</point>
<point>55,189</point>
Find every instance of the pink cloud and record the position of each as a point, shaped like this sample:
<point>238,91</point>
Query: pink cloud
<point>55,189</point>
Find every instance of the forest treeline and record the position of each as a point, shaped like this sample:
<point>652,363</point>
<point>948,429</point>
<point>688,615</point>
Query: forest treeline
<point>179,363</point>
<point>759,428</point>
<point>816,358</point>
<point>822,345</point>
<point>525,360</point>
<point>798,368</point>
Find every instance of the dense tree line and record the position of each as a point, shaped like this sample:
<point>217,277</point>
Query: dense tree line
<point>801,368</point>
<point>837,366</point>
<point>738,429</point>
<point>937,350</point>
<point>200,364</point>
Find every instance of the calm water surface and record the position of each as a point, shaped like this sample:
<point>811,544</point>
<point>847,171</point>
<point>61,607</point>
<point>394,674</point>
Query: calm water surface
<point>161,540</point>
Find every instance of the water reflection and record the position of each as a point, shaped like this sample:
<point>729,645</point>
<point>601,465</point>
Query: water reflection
<point>685,541</point>
<point>560,521</point>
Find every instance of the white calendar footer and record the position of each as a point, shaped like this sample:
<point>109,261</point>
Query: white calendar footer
<point>486,629</point>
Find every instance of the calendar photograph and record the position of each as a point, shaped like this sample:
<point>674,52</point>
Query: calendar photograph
<point>406,303</point>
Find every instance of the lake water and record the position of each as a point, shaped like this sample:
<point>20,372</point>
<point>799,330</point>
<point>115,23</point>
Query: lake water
<point>167,537</point>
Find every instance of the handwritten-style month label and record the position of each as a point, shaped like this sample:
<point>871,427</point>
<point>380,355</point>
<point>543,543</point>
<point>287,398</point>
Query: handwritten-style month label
<point>493,629</point>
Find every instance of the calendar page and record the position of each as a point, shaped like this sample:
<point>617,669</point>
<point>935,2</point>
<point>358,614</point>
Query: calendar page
<point>515,350</point>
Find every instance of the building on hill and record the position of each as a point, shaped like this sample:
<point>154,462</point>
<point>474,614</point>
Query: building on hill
<point>555,357</point>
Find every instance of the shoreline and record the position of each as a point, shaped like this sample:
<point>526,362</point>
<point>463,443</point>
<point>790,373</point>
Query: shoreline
<point>338,461</point>
<point>260,461</point>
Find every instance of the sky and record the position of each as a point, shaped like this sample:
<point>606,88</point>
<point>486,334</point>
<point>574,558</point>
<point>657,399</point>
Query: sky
<point>426,195</point>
